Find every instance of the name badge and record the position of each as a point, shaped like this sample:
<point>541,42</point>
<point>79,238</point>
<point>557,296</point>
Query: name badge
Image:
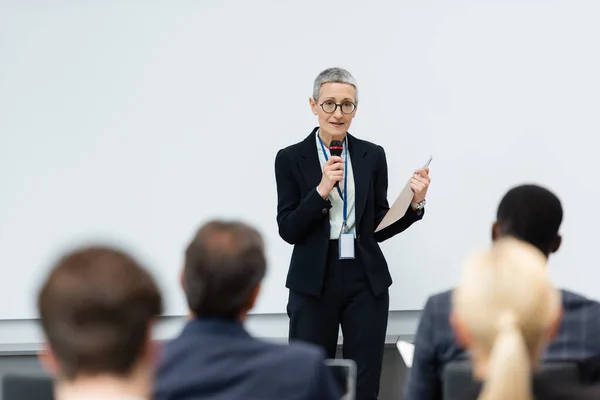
<point>346,245</point>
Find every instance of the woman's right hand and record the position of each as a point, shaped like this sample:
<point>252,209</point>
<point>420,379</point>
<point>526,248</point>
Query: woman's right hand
<point>333,171</point>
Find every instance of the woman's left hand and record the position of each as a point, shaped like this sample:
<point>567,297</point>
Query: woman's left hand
<point>419,183</point>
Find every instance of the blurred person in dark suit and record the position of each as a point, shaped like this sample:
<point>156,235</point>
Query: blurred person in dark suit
<point>97,308</point>
<point>533,214</point>
<point>214,357</point>
<point>505,310</point>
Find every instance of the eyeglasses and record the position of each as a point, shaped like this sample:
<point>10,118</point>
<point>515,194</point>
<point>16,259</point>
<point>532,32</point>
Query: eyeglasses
<point>329,107</point>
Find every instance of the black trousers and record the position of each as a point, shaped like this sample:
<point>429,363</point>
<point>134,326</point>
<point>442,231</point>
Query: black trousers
<point>346,300</point>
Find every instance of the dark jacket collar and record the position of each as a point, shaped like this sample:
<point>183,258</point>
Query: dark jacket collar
<point>221,326</point>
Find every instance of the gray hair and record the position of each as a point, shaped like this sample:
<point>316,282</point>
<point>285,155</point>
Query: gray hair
<point>337,75</point>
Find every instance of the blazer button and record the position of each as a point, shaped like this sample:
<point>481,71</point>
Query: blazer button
<point>324,211</point>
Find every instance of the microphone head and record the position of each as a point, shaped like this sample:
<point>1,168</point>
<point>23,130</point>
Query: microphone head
<point>336,147</point>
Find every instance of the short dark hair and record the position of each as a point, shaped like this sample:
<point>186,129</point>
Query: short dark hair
<point>96,308</point>
<point>224,263</point>
<point>531,213</point>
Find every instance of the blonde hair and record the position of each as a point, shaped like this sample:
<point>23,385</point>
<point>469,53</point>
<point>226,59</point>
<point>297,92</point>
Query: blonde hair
<point>507,304</point>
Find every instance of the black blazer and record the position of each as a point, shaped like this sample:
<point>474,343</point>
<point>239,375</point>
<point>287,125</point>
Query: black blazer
<point>302,214</point>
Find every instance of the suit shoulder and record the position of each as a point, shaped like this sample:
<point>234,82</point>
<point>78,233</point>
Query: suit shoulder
<point>288,153</point>
<point>367,144</point>
<point>292,148</point>
<point>572,299</point>
<point>438,305</point>
<point>441,298</point>
<point>567,294</point>
<point>298,147</point>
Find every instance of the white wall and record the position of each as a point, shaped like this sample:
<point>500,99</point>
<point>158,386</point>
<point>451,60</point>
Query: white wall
<point>137,121</point>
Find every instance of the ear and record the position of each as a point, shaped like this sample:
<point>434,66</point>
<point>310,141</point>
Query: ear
<point>153,346</point>
<point>355,110</point>
<point>495,233</point>
<point>190,314</point>
<point>254,297</point>
<point>556,244</point>
<point>48,360</point>
<point>460,331</point>
<point>313,105</point>
<point>251,302</point>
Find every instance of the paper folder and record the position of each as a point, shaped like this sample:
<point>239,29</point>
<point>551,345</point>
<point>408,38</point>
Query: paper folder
<point>400,206</point>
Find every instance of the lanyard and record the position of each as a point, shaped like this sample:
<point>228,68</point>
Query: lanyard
<point>344,197</point>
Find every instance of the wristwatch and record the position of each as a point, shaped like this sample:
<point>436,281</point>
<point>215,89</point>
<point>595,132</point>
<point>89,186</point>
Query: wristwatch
<point>418,206</point>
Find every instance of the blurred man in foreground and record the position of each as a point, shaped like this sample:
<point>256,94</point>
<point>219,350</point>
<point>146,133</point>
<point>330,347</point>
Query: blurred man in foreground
<point>97,307</point>
<point>215,357</point>
<point>532,214</point>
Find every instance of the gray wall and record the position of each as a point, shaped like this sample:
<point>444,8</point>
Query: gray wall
<point>394,371</point>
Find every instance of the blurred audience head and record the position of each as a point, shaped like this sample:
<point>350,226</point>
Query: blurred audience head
<point>97,308</point>
<point>224,266</point>
<point>530,213</point>
<point>505,311</point>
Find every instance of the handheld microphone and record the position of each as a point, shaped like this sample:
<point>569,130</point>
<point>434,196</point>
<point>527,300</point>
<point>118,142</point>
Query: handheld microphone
<point>335,148</point>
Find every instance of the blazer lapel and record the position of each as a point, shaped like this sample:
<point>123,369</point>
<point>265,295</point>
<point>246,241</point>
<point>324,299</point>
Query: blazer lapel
<point>362,175</point>
<point>309,160</point>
